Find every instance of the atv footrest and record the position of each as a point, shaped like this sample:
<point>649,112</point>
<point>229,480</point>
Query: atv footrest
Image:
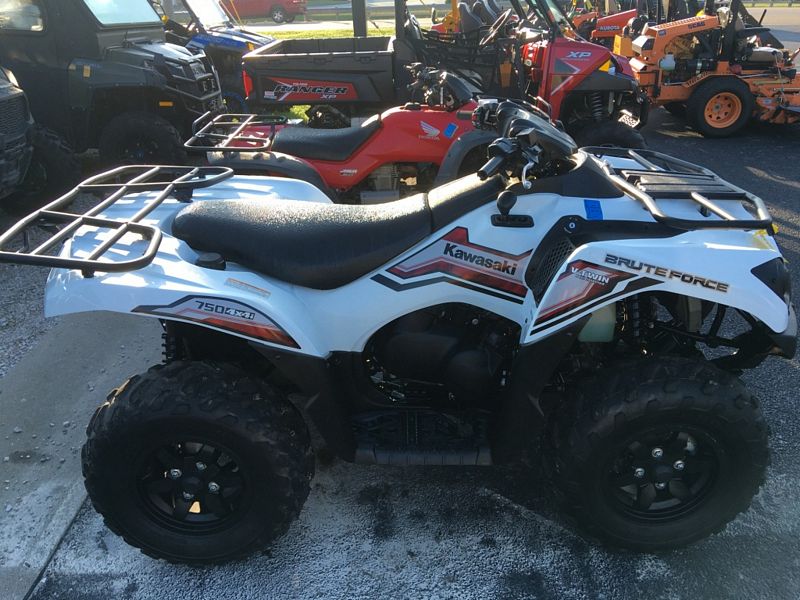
<point>421,437</point>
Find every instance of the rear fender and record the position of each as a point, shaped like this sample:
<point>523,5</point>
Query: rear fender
<point>272,163</point>
<point>237,302</point>
<point>712,266</point>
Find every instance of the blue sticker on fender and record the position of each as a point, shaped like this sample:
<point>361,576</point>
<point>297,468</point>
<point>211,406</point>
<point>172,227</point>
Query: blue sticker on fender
<point>594,211</point>
<point>450,130</point>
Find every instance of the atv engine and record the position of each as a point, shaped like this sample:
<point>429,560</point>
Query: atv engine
<point>452,354</point>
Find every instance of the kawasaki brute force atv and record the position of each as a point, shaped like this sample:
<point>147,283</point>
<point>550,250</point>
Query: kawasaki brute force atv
<point>557,303</point>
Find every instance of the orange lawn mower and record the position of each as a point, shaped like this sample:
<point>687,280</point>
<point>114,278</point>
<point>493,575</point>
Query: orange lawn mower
<point>716,70</point>
<point>599,21</point>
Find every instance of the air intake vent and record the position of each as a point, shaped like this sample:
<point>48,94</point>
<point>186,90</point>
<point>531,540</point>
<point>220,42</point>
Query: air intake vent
<point>551,261</point>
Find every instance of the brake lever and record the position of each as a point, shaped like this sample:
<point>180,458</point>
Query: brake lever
<point>525,183</point>
<point>533,161</point>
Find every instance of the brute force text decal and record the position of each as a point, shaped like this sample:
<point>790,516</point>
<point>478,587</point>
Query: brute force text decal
<point>668,274</point>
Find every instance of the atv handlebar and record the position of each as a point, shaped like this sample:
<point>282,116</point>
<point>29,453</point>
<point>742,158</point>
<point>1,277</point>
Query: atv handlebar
<point>527,140</point>
<point>491,167</point>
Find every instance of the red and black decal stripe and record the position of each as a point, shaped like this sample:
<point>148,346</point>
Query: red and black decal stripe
<point>580,283</point>
<point>460,261</point>
<point>630,288</point>
<point>226,314</point>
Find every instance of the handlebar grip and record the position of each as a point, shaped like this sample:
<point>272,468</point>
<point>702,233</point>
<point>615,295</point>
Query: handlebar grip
<point>490,168</point>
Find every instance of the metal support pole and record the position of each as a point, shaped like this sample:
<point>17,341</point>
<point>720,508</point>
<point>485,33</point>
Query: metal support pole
<point>360,18</point>
<point>400,19</point>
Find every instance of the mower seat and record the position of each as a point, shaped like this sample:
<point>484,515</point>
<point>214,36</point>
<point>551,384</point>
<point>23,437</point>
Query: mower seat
<point>324,144</point>
<point>490,13</point>
<point>469,21</point>
<point>320,245</point>
<point>494,7</point>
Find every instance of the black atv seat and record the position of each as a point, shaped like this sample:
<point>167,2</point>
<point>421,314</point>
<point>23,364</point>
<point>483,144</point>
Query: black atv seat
<point>323,144</point>
<point>325,246</point>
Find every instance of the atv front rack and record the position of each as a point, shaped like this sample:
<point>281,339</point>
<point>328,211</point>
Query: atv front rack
<point>163,181</point>
<point>216,133</point>
<point>662,177</point>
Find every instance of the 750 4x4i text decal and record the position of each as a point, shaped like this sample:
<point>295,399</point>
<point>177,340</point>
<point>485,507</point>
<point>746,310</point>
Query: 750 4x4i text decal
<point>463,263</point>
<point>225,314</point>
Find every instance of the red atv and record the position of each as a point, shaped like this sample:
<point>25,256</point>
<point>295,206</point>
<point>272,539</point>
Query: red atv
<point>403,150</point>
<point>529,51</point>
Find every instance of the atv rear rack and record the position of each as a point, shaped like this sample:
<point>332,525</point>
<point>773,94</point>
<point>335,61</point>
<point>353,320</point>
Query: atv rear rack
<point>217,133</point>
<point>664,177</point>
<point>165,181</point>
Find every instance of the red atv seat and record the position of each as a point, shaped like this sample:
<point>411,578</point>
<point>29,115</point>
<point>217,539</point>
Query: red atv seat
<point>323,144</point>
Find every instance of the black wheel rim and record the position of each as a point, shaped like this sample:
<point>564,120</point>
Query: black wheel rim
<point>140,150</point>
<point>192,486</point>
<point>663,474</point>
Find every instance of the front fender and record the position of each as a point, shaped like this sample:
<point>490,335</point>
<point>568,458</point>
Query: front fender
<point>449,170</point>
<point>712,266</point>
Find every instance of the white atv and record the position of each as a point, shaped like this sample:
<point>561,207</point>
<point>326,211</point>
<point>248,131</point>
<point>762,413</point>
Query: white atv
<point>569,304</point>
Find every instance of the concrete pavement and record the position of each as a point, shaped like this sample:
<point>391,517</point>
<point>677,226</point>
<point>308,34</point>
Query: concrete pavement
<point>45,404</point>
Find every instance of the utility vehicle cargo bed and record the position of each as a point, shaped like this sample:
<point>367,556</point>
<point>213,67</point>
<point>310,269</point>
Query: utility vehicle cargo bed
<point>321,71</point>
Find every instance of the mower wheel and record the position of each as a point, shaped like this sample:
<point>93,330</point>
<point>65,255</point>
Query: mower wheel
<point>609,133</point>
<point>141,138</point>
<point>651,454</point>
<point>197,462</point>
<point>278,14</point>
<point>720,107</point>
<point>54,169</point>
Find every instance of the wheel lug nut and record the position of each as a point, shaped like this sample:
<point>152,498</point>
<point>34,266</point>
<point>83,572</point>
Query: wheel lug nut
<point>638,473</point>
<point>187,496</point>
<point>679,465</point>
<point>175,473</point>
<point>213,487</point>
<point>657,453</point>
<point>661,486</point>
<point>200,466</point>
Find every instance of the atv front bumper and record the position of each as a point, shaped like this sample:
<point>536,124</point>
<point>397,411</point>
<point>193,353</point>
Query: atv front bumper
<point>759,343</point>
<point>785,343</point>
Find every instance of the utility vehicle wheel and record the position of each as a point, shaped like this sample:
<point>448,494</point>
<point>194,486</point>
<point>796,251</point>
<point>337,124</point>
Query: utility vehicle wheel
<point>278,14</point>
<point>54,169</point>
<point>720,107</point>
<point>141,138</point>
<point>197,462</point>
<point>676,109</point>
<point>658,453</point>
<point>610,133</point>
<point>290,19</point>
